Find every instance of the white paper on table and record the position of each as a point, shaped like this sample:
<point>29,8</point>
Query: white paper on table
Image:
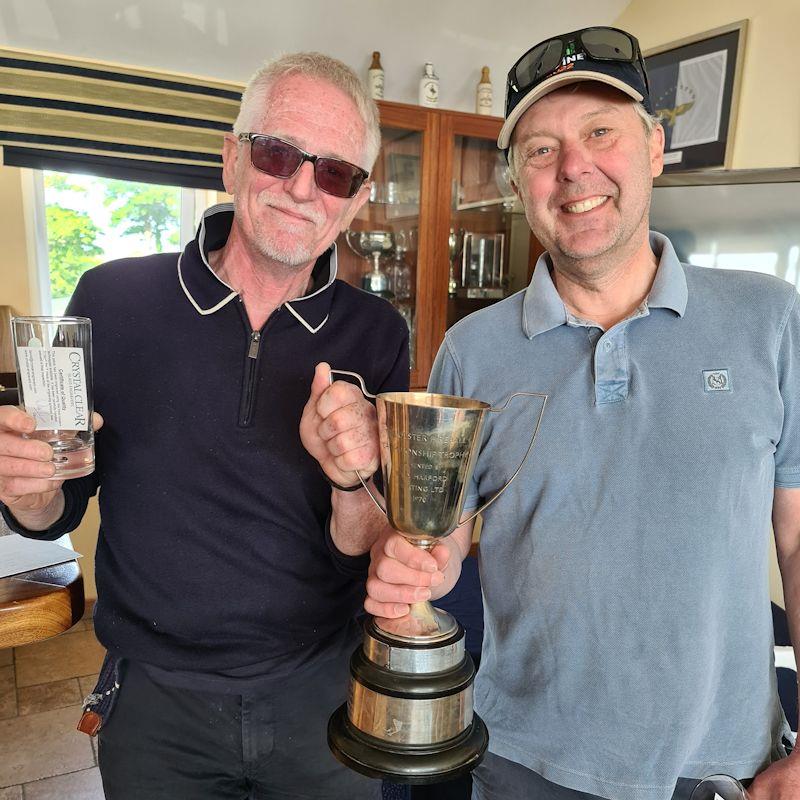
<point>18,554</point>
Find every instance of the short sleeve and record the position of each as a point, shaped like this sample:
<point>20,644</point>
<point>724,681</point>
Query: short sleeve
<point>787,453</point>
<point>446,379</point>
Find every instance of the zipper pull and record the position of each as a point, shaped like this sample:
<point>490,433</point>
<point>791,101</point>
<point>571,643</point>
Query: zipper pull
<point>255,338</point>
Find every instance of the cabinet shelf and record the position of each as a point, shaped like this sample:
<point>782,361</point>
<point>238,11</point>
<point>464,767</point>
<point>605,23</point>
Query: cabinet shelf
<point>487,204</point>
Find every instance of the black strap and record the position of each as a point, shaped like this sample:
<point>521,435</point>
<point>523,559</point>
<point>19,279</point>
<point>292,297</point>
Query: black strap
<point>339,486</point>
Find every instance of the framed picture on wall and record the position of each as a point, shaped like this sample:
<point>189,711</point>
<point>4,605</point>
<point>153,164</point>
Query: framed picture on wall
<point>694,86</point>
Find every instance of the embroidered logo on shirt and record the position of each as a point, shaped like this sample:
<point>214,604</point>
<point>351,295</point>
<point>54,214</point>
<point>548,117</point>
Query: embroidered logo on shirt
<point>716,380</point>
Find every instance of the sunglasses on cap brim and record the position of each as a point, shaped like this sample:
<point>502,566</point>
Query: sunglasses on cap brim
<point>598,43</point>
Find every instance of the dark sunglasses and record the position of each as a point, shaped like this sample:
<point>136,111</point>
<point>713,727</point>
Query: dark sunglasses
<point>282,160</point>
<point>599,43</point>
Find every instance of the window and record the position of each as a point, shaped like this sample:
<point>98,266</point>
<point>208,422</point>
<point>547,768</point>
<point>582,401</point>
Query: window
<point>84,220</point>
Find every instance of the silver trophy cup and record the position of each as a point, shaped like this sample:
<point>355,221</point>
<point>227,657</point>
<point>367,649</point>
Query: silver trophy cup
<point>372,245</point>
<point>408,715</point>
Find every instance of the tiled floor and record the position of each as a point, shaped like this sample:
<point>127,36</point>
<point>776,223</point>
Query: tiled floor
<point>42,756</point>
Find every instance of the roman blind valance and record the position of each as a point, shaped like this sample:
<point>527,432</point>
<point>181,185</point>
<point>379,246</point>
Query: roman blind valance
<point>65,114</point>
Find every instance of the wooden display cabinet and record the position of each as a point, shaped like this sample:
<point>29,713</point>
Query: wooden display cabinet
<point>449,234</point>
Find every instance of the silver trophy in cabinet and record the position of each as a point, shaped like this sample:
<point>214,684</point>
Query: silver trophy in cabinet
<point>482,266</point>
<point>409,715</point>
<point>373,245</point>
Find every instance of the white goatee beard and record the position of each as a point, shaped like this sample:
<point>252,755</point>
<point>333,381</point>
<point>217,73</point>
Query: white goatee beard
<point>296,254</point>
<point>292,256</point>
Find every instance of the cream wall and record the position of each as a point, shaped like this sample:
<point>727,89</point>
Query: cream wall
<point>17,289</point>
<point>768,126</point>
<point>15,285</point>
<point>768,123</point>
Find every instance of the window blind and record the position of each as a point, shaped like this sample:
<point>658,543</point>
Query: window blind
<point>66,114</point>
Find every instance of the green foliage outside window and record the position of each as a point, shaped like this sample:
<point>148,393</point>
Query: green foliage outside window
<point>83,212</point>
<point>145,210</point>
<point>71,237</point>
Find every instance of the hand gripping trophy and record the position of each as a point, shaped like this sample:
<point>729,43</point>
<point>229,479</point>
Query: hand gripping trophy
<point>408,715</point>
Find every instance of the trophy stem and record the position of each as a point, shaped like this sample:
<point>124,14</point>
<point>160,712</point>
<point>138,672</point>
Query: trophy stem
<point>425,617</point>
<point>423,611</point>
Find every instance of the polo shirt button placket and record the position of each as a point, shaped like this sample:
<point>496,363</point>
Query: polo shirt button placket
<point>610,376</point>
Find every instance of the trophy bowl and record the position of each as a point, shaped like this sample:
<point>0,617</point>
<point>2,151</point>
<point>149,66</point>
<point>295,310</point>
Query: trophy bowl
<point>429,443</point>
<point>372,245</point>
<point>367,244</point>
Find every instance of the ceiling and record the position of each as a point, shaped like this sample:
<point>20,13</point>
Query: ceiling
<point>228,39</point>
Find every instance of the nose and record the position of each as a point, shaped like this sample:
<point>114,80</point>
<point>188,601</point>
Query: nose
<point>576,161</point>
<point>301,186</point>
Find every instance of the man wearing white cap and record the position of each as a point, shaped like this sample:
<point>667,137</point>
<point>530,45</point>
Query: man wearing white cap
<point>628,640</point>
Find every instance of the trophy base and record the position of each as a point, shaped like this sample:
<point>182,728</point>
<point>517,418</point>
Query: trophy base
<point>415,765</point>
<point>408,715</point>
<point>446,628</point>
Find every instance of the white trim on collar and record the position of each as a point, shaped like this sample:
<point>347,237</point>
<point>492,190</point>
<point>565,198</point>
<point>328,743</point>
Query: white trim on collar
<point>302,321</point>
<point>203,311</point>
<point>201,238</point>
<point>333,268</point>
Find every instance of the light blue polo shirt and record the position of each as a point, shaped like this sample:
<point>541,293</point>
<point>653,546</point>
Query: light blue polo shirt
<point>628,633</point>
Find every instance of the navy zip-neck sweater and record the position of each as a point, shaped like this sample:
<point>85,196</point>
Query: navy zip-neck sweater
<point>212,554</point>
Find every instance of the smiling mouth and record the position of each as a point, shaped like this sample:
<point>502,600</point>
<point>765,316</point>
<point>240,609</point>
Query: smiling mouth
<point>292,214</point>
<point>582,206</point>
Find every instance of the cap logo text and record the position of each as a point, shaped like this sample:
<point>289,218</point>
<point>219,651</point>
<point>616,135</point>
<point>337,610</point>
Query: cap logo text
<point>563,68</point>
<point>571,59</point>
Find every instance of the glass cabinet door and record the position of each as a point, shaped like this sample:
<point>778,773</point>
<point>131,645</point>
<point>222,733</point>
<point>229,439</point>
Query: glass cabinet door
<point>442,234</point>
<point>489,241</point>
<point>380,251</point>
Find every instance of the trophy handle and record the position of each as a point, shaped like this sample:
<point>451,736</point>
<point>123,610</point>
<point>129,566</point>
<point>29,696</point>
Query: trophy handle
<point>347,237</point>
<point>373,397</point>
<point>498,410</point>
<point>361,382</point>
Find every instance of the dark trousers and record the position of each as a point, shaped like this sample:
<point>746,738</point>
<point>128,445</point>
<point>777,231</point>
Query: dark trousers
<point>499,779</point>
<point>164,743</point>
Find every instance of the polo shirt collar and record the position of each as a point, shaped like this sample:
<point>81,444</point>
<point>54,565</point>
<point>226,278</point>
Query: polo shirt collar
<point>669,289</point>
<point>543,309</point>
<point>208,293</point>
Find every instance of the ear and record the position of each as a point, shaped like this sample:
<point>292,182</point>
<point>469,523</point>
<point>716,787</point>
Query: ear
<point>230,159</point>
<point>511,180</point>
<point>657,151</point>
<point>358,200</point>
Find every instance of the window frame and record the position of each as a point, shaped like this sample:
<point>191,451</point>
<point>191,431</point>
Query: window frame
<point>193,202</point>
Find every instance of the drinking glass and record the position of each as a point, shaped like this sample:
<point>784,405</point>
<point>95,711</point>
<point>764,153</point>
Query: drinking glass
<point>54,376</point>
<point>719,787</point>
<point>400,278</point>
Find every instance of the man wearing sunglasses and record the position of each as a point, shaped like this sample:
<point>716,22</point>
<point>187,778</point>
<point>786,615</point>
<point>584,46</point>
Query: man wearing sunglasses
<point>628,644</point>
<point>229,568</point>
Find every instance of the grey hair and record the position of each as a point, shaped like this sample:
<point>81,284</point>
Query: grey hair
<point>319,67</point>
<point>649,121</point>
